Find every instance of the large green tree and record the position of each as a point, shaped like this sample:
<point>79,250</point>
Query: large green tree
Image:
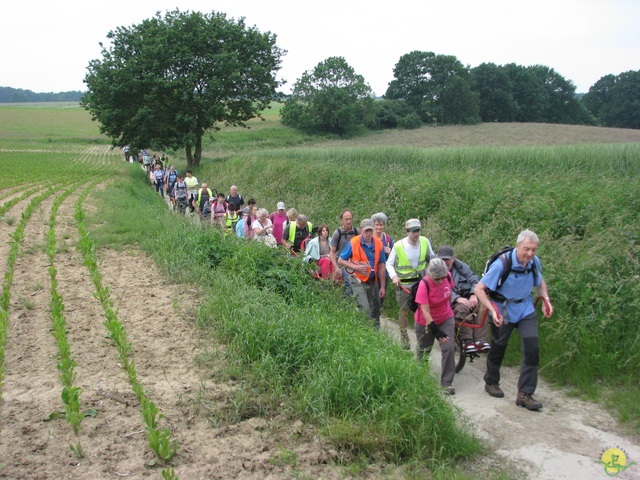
<point>168,81</point>
<point>426,82</point>
<point>526,94</point>
<point>332,98</point>
<point>561,104</point>
<point>615,100</point>
<point>493,85</point>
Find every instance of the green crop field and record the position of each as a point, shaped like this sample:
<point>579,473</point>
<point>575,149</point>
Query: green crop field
<point>294,343</point>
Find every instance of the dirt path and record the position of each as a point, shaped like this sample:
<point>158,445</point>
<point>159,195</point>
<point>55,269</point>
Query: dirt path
<point>564,440</point>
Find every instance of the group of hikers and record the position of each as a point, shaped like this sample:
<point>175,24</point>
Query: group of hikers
<point>440,288</point>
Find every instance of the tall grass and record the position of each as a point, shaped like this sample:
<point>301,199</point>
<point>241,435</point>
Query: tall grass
<point>583,201</point>
<point>299,341</point>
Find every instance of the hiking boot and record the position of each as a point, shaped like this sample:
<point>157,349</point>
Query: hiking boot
<point>450,390</point>
<point>494,390</point>
<point>483,347</point>
<point>469,347</point>
<point>527,401</point>
<point>404,340</point>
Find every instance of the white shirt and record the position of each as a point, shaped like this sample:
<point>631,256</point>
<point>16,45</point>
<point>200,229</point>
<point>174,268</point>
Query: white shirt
<point>412,252</point>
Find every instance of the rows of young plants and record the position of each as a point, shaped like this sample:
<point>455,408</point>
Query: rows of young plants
<point>14,248</point>
<point>65,364</point>
<point>29,168</point>
<point>159,438</point>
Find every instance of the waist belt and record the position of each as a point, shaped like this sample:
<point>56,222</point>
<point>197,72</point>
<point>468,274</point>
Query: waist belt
<point>409,280</point>
<point>520,300</point>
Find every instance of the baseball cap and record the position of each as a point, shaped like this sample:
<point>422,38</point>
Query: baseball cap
<point>366,224</point>
<point>281,206</point>
<point>413,224</point>
<point>445,252</point>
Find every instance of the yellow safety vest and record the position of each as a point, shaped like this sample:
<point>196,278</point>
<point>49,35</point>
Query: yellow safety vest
<point>403,267</point>
<point>292,231</point>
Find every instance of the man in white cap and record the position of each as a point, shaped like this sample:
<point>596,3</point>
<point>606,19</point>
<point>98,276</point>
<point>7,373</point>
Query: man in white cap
<point>408,258</point>
<point>364,256</point>
<point>278,219</point>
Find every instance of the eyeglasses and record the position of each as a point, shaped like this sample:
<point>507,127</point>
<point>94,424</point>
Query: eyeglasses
<point>413,230</point>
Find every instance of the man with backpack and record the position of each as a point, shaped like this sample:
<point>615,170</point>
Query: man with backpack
<point>406,262</point>
<point>296,233</point>
<point>192,185</point>
<point>343,235</point>
<point>180,194</point>
<point>235,198</point>
<point>508,280</point>
<point>203,201</point>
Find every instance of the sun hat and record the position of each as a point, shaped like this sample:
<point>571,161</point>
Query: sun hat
<point>366,224</point>
<point>413,224</point>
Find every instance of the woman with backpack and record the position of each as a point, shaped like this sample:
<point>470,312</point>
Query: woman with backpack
<point>218,210</point>
<point>434,319</point>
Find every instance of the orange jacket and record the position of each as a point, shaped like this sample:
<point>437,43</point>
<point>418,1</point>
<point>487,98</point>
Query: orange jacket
<point>358,255</point>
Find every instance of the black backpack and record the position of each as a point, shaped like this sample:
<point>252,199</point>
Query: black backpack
<point>507,267</point>
<point>411,303</point>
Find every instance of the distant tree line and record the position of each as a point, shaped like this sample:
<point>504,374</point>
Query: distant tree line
<point>18,95</point>
<point>171,80</point>
<point>439,90</point>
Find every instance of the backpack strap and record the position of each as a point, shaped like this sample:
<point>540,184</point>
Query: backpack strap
<point>507,267</point>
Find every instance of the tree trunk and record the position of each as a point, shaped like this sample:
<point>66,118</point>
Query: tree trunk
<point>198,154</point>
<point>193,158</point>
<point>187,149</point>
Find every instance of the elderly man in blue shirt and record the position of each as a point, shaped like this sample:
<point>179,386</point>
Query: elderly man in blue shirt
<point>515,309</point>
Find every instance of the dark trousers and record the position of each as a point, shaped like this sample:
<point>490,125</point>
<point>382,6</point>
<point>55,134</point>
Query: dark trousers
<point>528,330</point>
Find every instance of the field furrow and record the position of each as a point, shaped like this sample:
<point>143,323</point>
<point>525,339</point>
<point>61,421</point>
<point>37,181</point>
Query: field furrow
<point>31,392</point>
<point>114,440</point>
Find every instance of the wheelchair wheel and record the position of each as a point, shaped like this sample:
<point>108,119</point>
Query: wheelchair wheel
<point>460,357</point>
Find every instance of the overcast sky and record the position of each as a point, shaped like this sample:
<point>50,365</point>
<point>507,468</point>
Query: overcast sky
<point>46,46</point>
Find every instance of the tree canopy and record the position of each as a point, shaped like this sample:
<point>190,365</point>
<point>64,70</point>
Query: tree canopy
<point>436,86</point>
<point>332,98</point>
<point>170,80</point>
<point>615,100</point>
<point>526,94</point>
